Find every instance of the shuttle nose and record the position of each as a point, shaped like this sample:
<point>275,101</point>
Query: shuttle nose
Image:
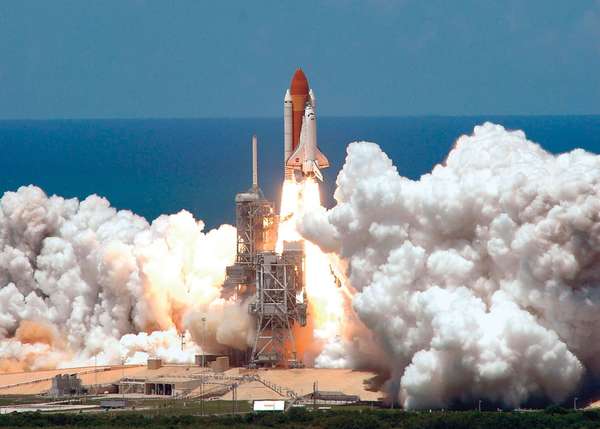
<point>299,85</point>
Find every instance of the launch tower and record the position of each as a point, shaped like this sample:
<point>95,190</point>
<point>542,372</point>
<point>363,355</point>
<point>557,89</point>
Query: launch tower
<point>272,283</point>
<point>256,225</point>
<point>280,303</point>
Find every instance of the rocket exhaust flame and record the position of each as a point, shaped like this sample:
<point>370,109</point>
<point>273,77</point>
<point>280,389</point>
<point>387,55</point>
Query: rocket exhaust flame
<point>325,300</point>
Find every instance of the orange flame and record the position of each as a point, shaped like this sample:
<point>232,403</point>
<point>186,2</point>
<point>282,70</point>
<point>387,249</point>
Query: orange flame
<point>325,300</point>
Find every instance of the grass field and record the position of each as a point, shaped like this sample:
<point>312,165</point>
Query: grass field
<point>151,407</point>
<point>173,407</point>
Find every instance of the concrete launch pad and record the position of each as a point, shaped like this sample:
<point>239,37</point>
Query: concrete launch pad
<point>192,381</point>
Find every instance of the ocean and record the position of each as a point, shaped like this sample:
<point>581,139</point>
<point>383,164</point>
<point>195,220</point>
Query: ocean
<point>161,166</point>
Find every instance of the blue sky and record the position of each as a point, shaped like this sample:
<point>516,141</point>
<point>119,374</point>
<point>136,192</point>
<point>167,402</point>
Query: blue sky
<point>136,58</point>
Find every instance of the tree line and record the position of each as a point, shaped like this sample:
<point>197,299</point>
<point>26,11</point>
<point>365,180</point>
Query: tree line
<point>551,418</point>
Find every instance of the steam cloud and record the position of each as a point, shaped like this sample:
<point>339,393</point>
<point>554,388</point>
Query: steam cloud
<point>481,279</point>
<point>81,279</point>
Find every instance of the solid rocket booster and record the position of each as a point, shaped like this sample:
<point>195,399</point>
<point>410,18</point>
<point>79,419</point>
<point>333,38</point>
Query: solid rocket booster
<point>301,152</point>
<point>287,132</point>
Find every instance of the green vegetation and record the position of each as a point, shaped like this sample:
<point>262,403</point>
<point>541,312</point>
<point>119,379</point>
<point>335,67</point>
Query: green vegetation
<point>552,418</point>
<point>150,407</point>
<point>178,407</point>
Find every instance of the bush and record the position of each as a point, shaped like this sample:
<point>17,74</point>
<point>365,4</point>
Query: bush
<point>555,409</point>
<point>352,421</point>
<point>269,419</point>
<point>592,415</point>
<point>299,414</point>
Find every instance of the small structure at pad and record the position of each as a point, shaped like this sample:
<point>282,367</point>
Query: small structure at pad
<point>268,406</point>
<point>159,387</point>
<point>65,385</point>
<point>220,364</point>
<point>113,404</point>
<point>330,397</point>
<point>205,359</point>
<point>154,363</point>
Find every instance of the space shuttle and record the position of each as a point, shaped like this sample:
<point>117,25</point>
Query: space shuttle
<point>302,157</point>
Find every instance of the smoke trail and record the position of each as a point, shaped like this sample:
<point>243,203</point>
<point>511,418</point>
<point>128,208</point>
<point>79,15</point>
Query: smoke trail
<point>480,279</point>
<point>81,279</point>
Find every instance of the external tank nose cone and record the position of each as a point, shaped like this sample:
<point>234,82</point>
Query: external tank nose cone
<point>299,85</point>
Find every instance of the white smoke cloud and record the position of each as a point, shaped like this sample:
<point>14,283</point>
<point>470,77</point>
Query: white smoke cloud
<point>81,279</point>
<point>480,279</point>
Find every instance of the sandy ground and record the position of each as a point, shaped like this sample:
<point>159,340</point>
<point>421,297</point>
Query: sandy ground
<point>39,381</point>
<point>253,391</point>
<point>20,377</point>
<point>341,380</point>
<point>298,380</point>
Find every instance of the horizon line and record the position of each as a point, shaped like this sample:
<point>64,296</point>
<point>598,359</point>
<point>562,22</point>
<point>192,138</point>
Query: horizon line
<point>173,118</point>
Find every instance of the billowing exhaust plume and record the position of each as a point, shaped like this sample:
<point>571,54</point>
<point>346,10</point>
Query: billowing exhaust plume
<point>480,280</point>
<point>82,282</point>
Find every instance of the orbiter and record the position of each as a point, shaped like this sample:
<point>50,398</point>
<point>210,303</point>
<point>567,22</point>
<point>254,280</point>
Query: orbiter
<point>301,153</point>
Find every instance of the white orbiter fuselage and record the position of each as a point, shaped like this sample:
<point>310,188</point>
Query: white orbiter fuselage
<point>301,153</point>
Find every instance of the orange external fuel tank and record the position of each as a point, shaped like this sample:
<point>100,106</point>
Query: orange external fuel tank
<point>299,93</point>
